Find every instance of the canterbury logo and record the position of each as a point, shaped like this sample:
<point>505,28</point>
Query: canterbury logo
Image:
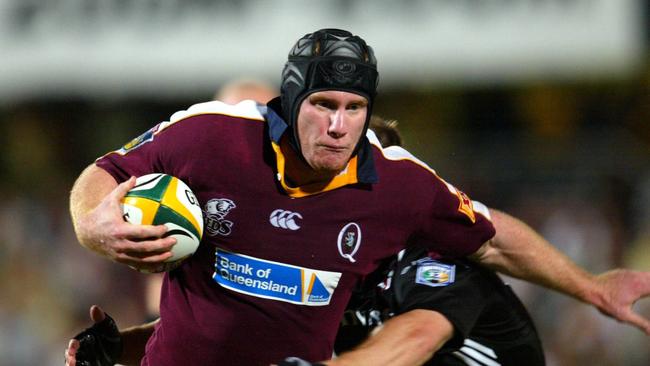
<point>285,219</point>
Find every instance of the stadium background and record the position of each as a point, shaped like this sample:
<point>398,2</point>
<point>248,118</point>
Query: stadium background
<point>539,108</point>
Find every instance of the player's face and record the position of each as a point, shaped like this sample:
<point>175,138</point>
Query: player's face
<point>330,124</point>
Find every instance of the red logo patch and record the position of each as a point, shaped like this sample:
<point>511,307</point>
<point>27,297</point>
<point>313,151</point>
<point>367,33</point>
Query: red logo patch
<point>466,206</point>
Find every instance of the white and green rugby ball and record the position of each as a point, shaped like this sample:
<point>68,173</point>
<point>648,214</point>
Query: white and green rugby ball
<point>161,199</point>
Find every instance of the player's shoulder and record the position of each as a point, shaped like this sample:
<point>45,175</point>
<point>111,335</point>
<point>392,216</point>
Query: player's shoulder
<point>246,110</point>
<point>394,156</point>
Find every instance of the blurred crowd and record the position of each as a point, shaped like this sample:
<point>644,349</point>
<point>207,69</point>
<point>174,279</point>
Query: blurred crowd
<point>573,161</point>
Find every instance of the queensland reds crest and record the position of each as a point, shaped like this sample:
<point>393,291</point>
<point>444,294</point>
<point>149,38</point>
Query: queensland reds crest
<point>349,241</point>
<point>215,212</point>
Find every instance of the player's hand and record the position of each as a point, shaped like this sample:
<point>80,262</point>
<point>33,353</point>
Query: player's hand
<point>105,231</point>
<point>621,289</point>
<point>99,345</point>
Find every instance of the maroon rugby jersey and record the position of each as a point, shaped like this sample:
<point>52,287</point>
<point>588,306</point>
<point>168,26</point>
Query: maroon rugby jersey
<point>276,266</point>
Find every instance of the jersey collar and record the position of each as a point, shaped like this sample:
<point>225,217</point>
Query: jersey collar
<point>360,168</point>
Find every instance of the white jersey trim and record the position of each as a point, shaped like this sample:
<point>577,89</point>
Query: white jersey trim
<point>396,153</point>
<point>476,354</point>
<point>481,209</point>
<point>372,137</point>
<point>247,109</point>
<point>244,109</point>
<point>479,347</point>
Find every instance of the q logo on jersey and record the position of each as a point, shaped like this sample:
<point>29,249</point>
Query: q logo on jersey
<point>349,241</point>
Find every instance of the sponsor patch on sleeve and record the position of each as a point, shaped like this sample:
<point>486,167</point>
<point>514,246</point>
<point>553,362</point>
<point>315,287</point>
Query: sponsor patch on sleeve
<point>139,141</point>
<point>435,274</point>
<point>466,206</point>
<point>274,280</point>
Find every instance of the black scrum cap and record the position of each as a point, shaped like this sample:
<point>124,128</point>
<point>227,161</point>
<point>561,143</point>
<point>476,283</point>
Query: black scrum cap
<point>328,59</point>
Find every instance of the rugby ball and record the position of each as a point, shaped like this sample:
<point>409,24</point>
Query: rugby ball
<point>163,199</point>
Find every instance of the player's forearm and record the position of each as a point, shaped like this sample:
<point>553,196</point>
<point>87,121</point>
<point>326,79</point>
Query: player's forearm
<point>519,251</point>
<point>134,340</point>
<point>88,191</point>
<point>406,340</point>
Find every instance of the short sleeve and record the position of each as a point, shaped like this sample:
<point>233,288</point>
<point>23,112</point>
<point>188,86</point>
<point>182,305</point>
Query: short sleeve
<point>451,288</point>
<point>455,226</point>
<point>135,158</point>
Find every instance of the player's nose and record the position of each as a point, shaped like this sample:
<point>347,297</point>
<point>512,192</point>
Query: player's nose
<point>337,124</point>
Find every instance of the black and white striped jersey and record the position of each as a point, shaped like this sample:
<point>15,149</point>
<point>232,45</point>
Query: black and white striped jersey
<point>491,325</point>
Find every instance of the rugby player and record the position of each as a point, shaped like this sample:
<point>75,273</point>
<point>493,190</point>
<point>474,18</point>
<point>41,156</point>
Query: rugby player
<point>298,200</point>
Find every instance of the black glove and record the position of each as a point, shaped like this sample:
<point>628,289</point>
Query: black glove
<point>100,345</point>
<point>295,361</point>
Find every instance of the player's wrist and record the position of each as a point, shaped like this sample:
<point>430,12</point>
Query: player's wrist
<point>86,234</point>
<point>590,289</point>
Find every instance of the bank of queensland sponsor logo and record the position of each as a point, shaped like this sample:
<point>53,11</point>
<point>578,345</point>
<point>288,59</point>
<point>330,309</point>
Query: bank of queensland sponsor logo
<point>435,274</point>
<point>274,280</point>
<point>284,219</point>
<point>349,241</point>
<point>215,212</point>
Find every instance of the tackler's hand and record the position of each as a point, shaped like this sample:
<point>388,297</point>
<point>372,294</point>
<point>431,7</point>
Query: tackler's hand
<point>99,345</point>
<point>620,289</point>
